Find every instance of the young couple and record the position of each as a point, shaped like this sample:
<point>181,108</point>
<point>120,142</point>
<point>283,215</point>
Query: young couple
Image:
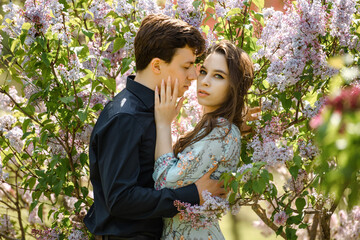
<point>123,150</point>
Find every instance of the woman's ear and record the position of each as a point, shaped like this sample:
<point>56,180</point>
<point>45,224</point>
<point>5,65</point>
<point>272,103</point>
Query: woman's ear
<point>156,65</point>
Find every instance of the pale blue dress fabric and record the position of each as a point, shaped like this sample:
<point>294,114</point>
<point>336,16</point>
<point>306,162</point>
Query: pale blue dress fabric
<point>189,166</point>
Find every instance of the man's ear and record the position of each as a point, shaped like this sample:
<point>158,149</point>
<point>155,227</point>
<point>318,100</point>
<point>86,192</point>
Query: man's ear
<point>156,65</point>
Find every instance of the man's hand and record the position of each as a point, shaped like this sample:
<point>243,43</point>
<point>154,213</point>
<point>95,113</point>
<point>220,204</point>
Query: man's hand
<point>215,187</point>
<point>251,115</point>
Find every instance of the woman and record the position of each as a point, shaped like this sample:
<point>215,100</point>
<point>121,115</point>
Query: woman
<point>224,80</point>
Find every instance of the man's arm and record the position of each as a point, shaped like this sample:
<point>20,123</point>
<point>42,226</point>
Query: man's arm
<point>119,167</point>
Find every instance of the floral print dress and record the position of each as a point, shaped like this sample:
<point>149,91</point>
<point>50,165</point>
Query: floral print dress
<point>221,147</point>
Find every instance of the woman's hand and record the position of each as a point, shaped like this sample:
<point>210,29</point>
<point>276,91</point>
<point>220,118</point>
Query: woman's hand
<point>166,106</point>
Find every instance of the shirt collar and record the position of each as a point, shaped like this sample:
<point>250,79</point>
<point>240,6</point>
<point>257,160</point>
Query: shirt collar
<point>145,94</point>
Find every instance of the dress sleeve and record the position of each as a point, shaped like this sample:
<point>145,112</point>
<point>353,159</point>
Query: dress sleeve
<point>199,158</point>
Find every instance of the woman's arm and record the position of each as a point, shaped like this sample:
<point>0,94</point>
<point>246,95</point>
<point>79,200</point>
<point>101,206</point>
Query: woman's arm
<point>166,109</point>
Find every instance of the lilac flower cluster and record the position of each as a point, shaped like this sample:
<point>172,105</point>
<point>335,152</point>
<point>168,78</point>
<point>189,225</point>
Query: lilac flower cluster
<point>148,7</point>
<point>203,216</point>
<point>77,235</point>
<point>270,146</point>
<point>309,111</point>
<point>290,40</point>
<point>14,136</point>
<point>346,225</point>
<point>342,16</point>
<point>169,9</point>
<point>307,149</point>
<point>122,7</point>
<point>245,172</point>
<point>12,20</point>
<point>99,10</point>
<point>188,13</point>
<point>222,7</point>
<point>47,234</point>
<point>280,218</point>
<point>6,103</point>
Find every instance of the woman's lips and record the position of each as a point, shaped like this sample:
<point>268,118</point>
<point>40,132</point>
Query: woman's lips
<point>202,93</point>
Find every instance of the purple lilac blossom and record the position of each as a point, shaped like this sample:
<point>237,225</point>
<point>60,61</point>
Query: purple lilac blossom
<point>290,40</point>
<point>342,16</point>
<point>280,218</point>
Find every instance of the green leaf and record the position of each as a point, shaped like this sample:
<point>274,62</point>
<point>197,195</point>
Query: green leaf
<point>82,114</point>
<point>294,170</point>
<point>33,205</point>
<point>259,3</point>
<point>66,100</point>
<point>233,11</point>
<point>40,211</point>
<point>57,188</point>
<point>300,204</point>
<point>118,44</point>
<point>83,159</point>
<point>106,62</point>
<point>31,182</point>
<point>290,233</point>
<point>26,26</point>
<point>45,59</point>
<point>259,186</point>
<point>109,82</point>
<point>68,190</point>
<point>297,160</point>
<point>125,64</point>
<point>87,33</point>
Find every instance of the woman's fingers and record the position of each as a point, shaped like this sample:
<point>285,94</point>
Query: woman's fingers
<point>162,91</point>
<point>157,100</point>
<point>168,90</point>
<point>175,93</point>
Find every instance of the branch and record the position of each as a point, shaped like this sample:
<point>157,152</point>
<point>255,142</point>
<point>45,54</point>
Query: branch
<point>260,212</point>
<point>7,237</point>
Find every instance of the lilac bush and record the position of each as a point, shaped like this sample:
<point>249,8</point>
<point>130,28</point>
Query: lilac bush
<point>72,56</point>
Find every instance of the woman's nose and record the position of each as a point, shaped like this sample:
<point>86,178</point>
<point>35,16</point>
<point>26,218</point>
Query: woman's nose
<point>205,81</point>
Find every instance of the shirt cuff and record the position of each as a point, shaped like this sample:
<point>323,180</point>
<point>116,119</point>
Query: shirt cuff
<point>188,194</point>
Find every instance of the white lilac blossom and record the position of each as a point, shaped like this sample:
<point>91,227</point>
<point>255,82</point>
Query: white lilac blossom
<point>6,122</point>
<point>6,103</point>
<point>309,111</point>
<point>13,21</point>
<point>123,8</point>
<point>77,235</point>
<point>223,7</point>
<point>290,40</point>
<point>307,149</point>
<point>14,137</point>
<point>203,216</point>
<point>210,38</point>
<point>342,16</point>
<point>280,218</point>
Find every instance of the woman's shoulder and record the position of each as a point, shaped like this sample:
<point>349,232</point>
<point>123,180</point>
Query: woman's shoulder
<point>225,126</point>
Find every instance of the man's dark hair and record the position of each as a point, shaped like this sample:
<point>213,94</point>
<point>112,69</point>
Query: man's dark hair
<point>159,36</point>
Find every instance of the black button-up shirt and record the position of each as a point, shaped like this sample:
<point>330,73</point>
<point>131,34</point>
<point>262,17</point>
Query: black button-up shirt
<point>122,147</point>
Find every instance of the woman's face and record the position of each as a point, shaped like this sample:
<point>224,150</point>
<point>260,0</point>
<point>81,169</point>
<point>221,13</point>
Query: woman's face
<point>213,82</point>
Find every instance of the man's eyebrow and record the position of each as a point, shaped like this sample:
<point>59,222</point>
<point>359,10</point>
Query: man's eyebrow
<point>190,62</point>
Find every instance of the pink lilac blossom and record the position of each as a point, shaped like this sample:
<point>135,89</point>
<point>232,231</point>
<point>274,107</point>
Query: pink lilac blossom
<point>280,218</point>
<point>342,16</point>
<point>290,40</point>
<point>203,216</point>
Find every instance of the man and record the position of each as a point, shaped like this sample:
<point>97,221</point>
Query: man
<point>122,143</point>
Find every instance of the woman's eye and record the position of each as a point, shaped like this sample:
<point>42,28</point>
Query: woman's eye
<point>202,72</point>
<point>219,76</point>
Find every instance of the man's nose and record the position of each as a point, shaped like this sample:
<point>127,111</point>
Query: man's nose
<point>192,74</point>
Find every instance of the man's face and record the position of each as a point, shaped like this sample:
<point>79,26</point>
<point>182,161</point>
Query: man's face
<point>182,68</point>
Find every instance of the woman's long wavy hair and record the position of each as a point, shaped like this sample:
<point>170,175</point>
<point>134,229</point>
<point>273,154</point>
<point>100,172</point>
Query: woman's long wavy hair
<point>241,74</point>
